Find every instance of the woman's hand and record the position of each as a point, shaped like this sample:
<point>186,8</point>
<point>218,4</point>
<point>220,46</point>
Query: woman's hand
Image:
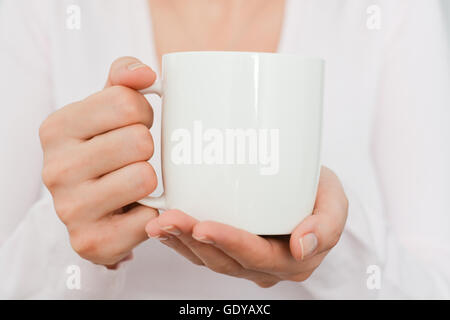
<point>263,260</point>
<point>95,165</point>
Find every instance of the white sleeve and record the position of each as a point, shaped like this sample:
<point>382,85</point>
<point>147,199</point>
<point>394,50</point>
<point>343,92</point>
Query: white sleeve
<point>35,253</point>
<point>412,153</point>
<point>407,255</point>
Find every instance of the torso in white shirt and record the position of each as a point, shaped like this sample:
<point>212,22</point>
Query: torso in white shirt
<point>353,52</point>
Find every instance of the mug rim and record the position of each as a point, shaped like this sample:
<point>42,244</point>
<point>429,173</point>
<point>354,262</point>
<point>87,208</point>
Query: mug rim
<point>246,53</point>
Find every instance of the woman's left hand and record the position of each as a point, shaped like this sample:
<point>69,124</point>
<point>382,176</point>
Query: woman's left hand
<point>263,260</point>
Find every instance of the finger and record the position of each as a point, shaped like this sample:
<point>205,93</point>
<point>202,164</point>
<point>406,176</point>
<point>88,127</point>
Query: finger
<point>116,189</point>
<point>107,152</point>
<point>175,225</point>
<point>112,239</point>
<point>180,225</point>
<point>154,231</point>
<point>118,148</point>
<point>106,110</point>
<point>270,255</point>
<point>116,266</point>
<point>130,226</point>
<point>117,106</point>
<point>180,248</point>
<point>321,231</point>
<point>130,72</point>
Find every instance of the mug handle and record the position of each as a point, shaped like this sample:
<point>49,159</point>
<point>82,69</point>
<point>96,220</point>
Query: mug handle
<point>154,202</point>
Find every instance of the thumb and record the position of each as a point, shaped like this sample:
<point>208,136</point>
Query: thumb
<point>130,72</point>
<point>321,231</point>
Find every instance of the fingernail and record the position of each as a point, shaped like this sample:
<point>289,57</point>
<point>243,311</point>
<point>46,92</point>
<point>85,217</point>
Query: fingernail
<point>160,238</point>
<point>171,230</point>
<point>308,244</point>
<point>135,66</point>
<point>203,239</point>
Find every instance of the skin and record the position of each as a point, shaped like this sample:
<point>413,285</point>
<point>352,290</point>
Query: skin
<point>195,25</point>
<point>263,260</point>
<point>95,166</point>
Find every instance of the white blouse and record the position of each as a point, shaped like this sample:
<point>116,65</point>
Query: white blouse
<point>386,135</point>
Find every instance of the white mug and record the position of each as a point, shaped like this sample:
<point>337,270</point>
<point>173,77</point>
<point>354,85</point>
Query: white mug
<point>241,135</point>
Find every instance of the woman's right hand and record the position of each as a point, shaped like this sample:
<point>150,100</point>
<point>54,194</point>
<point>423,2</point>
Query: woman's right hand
<point>95,165</point>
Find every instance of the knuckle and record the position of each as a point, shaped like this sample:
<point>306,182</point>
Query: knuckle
<point>49,177</point>
<point>144,141</point>
<point>266,283</point>
<point>344,205</point>
<point>43,129</point>
<point>300,277</point>
<point>128,103</point>
<point>346,202</point>
<point>225,268</point>
<point>52,127</point>
<point>297,278</point>
<point>334,240</point>
<point>47,129</point>
<point>85,245</point>
<point>145,179</point>
<point>93,246</point>
<point>66,210</point>
<point>335,235</point>
<point>54,171</point>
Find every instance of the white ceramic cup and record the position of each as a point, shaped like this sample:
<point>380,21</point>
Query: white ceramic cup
<point>241,136</point>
